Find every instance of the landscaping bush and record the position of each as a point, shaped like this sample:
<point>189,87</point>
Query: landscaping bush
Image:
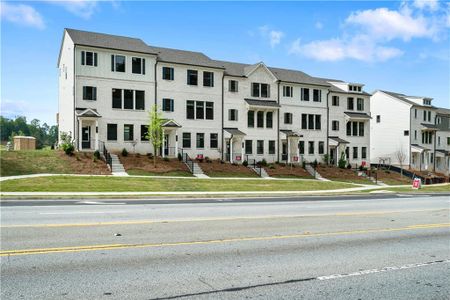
<point>234,164</point>
<point>245,163</point>
<point>180,157</point>
<point>68,149</point>
<point>326,159</point>
<point>314,164</point>
<point>207,159</point>
<point>272,167</point>
<point>166,159</point>
<point>124,152</point>
<point>304,164</point>
<point>97,154</point>
<point>342,162</point>
<point>263,163</point>
<point>349,166</point>
<point>150,155</point>
<point>221,161</point>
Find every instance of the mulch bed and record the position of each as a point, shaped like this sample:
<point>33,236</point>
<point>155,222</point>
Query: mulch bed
<point>391,177</point>
<point>145,163</point>
<point>281,170</point>
<point>215,167</point>
<point>335,173</point>
<point>84,163</point>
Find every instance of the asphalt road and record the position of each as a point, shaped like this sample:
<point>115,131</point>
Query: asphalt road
<point>394,247</point>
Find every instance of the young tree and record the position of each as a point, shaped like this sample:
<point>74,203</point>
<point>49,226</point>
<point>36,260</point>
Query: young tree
<point>401,157</point>
<point>155,130</point>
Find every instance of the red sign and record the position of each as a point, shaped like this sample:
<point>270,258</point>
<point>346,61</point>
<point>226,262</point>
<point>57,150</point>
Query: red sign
<point>295,158</point>
<point>199,156</point>
<point>363,163</point>
<point>238,157</point>
<point>417,183</point>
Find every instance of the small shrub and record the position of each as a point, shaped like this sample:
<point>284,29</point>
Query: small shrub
<point>245,163</point>
<point>272,167</point>
<point>97,154</point>
<point>342,162</point>
<point>180,157</point>
<point>94,159</point>
<point>69,149</point>
<point>124,152</point>
<point>326,159</point>
<point>349,166</point>
<point>263,162</point>
<point>314,164</point>
<point>234,164</point>
<point>221,161</point>
<point>150,155</point>
<point>387,171</point>
<point>165,159</point>
<point>78,158</point>
<point>138,155</point>
<point>303,164</point>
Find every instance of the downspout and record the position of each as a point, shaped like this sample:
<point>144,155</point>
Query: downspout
<point>75,124</point>
<point>156,84</point>
<point>278,122</point>
<point>328,126</point>
<point>410,138</point>
<point>434,150</point>
<point>223,113</point>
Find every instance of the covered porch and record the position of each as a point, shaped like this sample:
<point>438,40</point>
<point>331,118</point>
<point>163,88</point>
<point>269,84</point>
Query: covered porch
<point>420,158</point>
<point>336,146</point>
<point>234,145</point>
<point>290,152</point>
<point>169,147</point>
<point>87,138</point>
<point>442,164</point>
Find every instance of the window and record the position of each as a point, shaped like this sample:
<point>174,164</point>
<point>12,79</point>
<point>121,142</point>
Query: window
<point>128,132</point>
<point>415,113</point>
<point>363,152</point>
<point>301,147</point>
<point>138,65</point>
<point>347,153</point>
<point>233,86</point>
<point>208,79</point>
<point>192,77</point>
<point>199,110</point>
<point>304,121</point>
<point>190,111</point>
<point>378,118</point>
<point>335,125</point>
<point>116,98</point>
<point>350,103</point>
<point>361,128</point>
<point>429,116</point>
<point>355,152</point>
<point>128,99</point>
<point>305,94</point>
<point>117,63</point>
<point>321,147</point>
<point>349,128</point>
<point>111,132</point>
<point>209,110</point>
<point>269,119</point>
<point>439,140</point>
<point>248,147</point>
<point>200,140</point>
<point>255,89</point>
<point>287,118</point>
<point>251,119</point>
<point>424,115</point>
<point>167,73</point>
<point>265,90</point>
<point>144,132</point>
<point>288,91</point>
<point>415,134</point>
<point>88,58</point>
<point>260,119</point>
<point>317,95</point>
<point>259,147</point>
<point>310,121</point>
<point>140,100</point>
<point>318,122</point>
<point>167,104</point>
<point>271,147</point>
<point>335,101</point>
<point>232,115</point>
<point>448,140</point>
<point>186,140</point>
<point>360,104</point>
<point>89,93</point>
<point>406,133</point>
<point>213,141</point>
<point>354,128</point>
<point>310,147</point>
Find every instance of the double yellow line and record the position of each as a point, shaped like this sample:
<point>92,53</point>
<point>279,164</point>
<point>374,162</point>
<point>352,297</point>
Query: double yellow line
<point>217,241</point>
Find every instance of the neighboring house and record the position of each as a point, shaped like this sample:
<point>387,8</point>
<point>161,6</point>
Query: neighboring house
<point>219,109</point>
<point>442,163</point>
<point>408,125</point>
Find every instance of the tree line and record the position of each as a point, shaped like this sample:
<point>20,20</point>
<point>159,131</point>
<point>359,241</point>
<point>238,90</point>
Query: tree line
<point>45,135</point>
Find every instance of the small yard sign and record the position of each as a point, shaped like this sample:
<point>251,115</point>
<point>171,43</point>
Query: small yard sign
<point>238,158</point>
<point>295,158</point>
<point>417,183</point>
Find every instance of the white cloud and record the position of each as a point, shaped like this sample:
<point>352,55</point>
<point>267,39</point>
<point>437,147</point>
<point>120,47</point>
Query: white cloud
<point>21,14</point>
<point>81,8</point>
<point>318,25</point>
<point>385,24</point>
<point>359,48</point>
<point>273,36</point>
<point>431,5</point>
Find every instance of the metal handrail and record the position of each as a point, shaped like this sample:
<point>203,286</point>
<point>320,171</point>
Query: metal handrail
<point>188,161</point>
<point>106,154</point>
<point>254,164</point>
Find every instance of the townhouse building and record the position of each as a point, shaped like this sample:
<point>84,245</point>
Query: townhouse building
<point>211,108</point>
<point>409,131</point>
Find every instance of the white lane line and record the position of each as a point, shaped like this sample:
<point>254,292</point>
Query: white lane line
<point>385,269</point>
<point>102,203</point>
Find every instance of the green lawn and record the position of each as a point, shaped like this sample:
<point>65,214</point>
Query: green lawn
<point>123,184</point>
<point>231,174</point>
<point>32,162</point>
<point>148,173</point>
<point>424,189</point>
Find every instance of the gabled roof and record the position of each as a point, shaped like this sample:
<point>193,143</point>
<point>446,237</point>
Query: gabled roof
<point>170,123</point>
<point>290,133</point>
<point>101,40</point>
<point>234,131</point>
<point>87,112</point>
<point>184,57</point>
<point>402,97</point>
<point>336,89</point>
<point>338,140</point>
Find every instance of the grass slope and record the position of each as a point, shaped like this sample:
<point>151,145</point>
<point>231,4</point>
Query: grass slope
<point>123,184</point>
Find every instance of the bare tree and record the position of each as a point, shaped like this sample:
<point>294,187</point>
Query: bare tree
<point>401,157</point>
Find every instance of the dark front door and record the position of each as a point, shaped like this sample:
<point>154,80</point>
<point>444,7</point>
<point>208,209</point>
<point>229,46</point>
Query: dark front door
<point>332,156</point>
<point>166,144</point>
<point>284,154</point>
<point>227,153</point>
<point>86,137</point>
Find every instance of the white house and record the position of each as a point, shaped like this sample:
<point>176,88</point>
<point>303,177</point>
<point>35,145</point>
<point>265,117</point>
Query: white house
<point>219,109</point>
<point>406,130</point>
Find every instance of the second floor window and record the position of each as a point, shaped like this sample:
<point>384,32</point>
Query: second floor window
<point>251,119</point>
<point>192,77</point>
<point>89,93</point>
<point>167,73</point>
<point>350,104</point>
<point>89,58</point>
<point>335,101</point>
<point>186,140</point>
<point>317,95</point>
<point>355,128</point>
<point>200,140</point>
<point>198,110</point>
<point>167,104</point>
<point>131,99</point>
<point>260,119</point>
<point>335,125</point>
<point>232,115</point>
<point>305,94</point>
<point>269,119</point>
<point>138,65</point>
<point>288,91</point>
<point>260,90</point>
<point>128,133</point>
<point>360,104</point>
<point>117,63</point>
<point>232,86</point>
<point>208,79</point>
<point>287,118</point>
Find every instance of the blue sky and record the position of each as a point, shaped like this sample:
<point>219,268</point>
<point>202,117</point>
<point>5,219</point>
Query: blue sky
<point>396,46</point>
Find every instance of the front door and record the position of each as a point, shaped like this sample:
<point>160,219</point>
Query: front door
<point>332,156</point>
<point>227,153</point>
<point>284,153</point>
<point>86,137</point>
<point>166,144</point>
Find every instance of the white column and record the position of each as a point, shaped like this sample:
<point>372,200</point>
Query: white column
<point>162,146</point>
<point>176,142</point>
<point>242,150</point>
<point>289,150</point>
<point>231,149</point>
<point>96,134</point>
<point>80,137</point>
<point>298,152</point>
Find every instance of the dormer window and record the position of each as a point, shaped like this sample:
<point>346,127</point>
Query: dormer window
<point>88,58</point>
<point>260,90</point>
<point>426,102</point>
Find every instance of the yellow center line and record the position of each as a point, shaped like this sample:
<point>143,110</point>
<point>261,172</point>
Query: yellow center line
<point>217,241</point>
<point>144,222</point>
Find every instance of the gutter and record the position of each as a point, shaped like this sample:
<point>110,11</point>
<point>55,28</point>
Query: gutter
<point>223,113</point>
<point>434,147</point>
<point>156,84</point>
<point>328,126</point>
<point>278,122</point>
<point>75,125</point>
